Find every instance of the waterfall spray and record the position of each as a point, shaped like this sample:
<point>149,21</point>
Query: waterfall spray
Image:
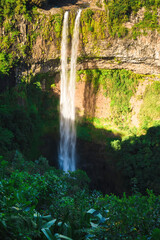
<point>67,99</point>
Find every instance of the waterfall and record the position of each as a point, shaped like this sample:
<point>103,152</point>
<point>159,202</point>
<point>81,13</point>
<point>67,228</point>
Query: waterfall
<point>67,160</point>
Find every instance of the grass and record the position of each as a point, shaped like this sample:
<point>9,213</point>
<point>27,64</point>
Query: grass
<point>150,111</point>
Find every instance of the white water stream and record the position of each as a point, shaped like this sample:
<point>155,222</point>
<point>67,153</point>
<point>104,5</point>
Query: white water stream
<point>67,160</point>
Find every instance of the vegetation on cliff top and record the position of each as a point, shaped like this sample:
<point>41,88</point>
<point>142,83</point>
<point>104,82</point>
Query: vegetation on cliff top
<point>120,11</point>
<point>11,49</point>
<point>96,24</point>
<point>20,25</point>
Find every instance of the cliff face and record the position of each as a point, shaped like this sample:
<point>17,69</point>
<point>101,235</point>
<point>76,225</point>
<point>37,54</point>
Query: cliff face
<point>97,49</point>
<point>141,55</point>
<point>40,41</point>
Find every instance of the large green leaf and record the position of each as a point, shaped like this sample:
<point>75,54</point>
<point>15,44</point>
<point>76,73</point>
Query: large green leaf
<point>48,234</point>
<point>60,236</point>
<point>50,223</point>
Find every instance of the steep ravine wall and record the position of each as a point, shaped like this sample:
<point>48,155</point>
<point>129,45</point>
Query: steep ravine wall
<point>41,42</point>
<point>96,103</point>
<point>141,55</point>
<point>97,49</point>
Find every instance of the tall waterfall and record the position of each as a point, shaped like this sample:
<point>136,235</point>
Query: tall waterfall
<point>67,99</point>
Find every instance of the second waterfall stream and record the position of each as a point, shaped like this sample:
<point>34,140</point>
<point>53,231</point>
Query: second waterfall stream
<point>67,158</point>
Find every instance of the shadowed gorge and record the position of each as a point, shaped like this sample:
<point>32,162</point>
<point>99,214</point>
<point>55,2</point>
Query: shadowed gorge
<point>114,166</point>
<point>61,3</point>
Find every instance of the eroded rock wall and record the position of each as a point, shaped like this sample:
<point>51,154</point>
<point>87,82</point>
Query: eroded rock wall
<point>97,49</point>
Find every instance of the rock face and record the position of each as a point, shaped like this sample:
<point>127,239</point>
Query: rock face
<point>91,104</point>
<point>137,100</point>
<point>97,50</point>
<point>141,55</point>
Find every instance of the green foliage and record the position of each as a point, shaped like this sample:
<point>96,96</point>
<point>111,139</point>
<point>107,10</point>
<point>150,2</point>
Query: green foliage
<point>150,110</point>
<point>56,205</point>
<point>6,63</point>
<point>22,117</point>
<point>10,8</point>
<point>51,27</point>
<point>72,16</point>
<point>44,81</point>
<point>119,85</point>
<point>88,16</point>
<point>6,138</point>
<point>98,4</point>
<point>3,165</point>
<point>84,132</point>
<point>125,218</point>
<point>16,43</point>
<point>93,26</point>
<point>156,234</point>
<point>33,204</point>
<point>150,21</point>
<point>116,145</point>
<point>10,49</point>
<point>91,76</point>
<point>58,24</point>
<point>119,12</point>
<point>138,159</point>
<point>17,127</point>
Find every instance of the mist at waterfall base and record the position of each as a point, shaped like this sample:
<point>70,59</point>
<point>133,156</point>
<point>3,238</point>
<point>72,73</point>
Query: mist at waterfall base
<point>67,160</point>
